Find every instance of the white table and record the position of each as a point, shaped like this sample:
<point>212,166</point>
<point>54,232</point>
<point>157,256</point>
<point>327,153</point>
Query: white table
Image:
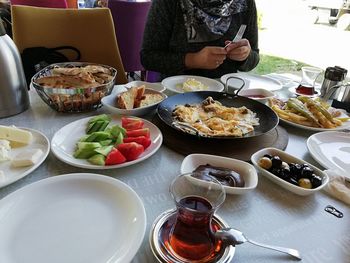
<point>267,214</point>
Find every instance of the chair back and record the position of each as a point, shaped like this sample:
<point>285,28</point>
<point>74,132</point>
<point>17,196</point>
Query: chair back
<point>129,21</point>
<point>89,30</point>
<point>41,3</point>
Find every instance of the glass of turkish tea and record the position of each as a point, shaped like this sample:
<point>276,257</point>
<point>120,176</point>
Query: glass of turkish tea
<point>307,84</point>
<point>197,197</point>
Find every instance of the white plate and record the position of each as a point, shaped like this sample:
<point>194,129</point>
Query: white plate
<point>288,159</point>
<point>252,81</point>
<point>246,170</point>
<point>331,149</point>
<point>72,218</point>
<point>345,125</point>
<point>64,141</point>
<point>13,174</point>
<point>110,103</point>
<point>174,83</point>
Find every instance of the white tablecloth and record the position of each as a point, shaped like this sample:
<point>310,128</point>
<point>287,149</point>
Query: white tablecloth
<point>267,214</point>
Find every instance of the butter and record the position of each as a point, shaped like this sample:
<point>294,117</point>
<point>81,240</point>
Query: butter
<point>15,135</point>
<point>27,158</point>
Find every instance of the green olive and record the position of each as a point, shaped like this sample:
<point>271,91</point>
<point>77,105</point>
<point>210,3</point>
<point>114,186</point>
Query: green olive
<point>265,163</point>
<point>305,183</point>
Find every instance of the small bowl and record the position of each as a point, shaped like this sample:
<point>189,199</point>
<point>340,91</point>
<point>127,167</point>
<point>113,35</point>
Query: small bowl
<point>110,102</point>
<point>289,159</point>
<point>74,99</point>
<point>137,83</point>
<point>261,95</point>
<point>246,170</point>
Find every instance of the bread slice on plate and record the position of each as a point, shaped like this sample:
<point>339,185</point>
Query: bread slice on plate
<point>131,98</point>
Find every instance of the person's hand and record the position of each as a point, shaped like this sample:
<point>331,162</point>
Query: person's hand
<point>206,58</point>
<point>239,50</point>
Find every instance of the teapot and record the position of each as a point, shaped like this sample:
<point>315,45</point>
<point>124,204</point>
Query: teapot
<point>14,96</point>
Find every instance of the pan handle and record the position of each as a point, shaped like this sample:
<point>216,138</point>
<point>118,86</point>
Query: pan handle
<point>239,89</point>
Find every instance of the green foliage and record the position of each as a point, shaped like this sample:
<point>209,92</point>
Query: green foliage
<point>269,64</point>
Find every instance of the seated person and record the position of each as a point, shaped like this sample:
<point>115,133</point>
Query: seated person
<point>189,37</point>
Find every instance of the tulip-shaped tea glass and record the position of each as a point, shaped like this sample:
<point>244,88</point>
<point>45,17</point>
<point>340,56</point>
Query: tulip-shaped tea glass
<point>191,237</point>
<point>307,84</point>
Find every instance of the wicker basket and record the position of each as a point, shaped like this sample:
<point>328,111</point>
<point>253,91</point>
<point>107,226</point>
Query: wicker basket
<point>73,99</point>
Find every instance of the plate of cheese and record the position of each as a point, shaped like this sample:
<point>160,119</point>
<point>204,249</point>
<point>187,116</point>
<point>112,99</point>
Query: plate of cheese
<point>22,150</point>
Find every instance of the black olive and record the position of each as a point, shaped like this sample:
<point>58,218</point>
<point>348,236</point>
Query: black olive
<point>306,172</point>
<point>293,181</point>
<point>275,170</point>
<point>295,170</point>
<point>268,156</point>
<point>276,161</point>
<point>316,180</point>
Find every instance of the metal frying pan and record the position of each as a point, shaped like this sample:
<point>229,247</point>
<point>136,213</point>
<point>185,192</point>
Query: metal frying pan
<point>268,119</point>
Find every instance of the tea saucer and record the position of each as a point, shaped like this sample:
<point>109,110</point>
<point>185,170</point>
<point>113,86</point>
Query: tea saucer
<point>161,252</point>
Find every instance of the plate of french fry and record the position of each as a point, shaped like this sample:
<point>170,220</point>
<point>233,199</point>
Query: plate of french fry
<point>310,113</point>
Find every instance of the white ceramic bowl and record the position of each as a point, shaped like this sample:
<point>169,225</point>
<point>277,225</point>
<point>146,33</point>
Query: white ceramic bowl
<point>246,170</point>
<point>289,159</point>
<point>110,103</point>
<point>175,83</point>
<point>137,83</point>
<point>261,95</point>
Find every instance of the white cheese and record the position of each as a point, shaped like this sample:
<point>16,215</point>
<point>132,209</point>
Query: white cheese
<point>6,144</point>
<point>4,154</point>
<point>15,134</point>
<point>27,157</point>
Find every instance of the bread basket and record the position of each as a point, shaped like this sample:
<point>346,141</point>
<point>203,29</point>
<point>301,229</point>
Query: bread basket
<point>73,99</point>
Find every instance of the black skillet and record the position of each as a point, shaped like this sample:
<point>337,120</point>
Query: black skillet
<point>268,119</point>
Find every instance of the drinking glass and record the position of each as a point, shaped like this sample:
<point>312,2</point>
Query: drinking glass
<point>307,84</point>
<point>197,198</point>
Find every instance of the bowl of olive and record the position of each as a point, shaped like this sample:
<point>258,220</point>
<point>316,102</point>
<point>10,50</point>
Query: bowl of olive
<point>293,174</point>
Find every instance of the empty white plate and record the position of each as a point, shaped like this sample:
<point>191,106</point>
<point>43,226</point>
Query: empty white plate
<point>13,174</point>
<point>72,218</point>
<point>252,81</point>
<point>331,149</point>
<point>175,83</point>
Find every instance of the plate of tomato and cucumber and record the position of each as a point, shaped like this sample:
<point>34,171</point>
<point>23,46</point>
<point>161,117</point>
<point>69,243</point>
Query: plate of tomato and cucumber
<point>106,142</point>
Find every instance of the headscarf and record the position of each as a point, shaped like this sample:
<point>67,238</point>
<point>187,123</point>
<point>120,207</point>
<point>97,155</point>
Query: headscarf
<point>207,20</point>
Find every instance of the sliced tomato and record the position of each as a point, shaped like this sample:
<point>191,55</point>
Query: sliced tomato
<point>132,123</point>
<point>131,150</point>
<point>115,157</point>
<point>140,132</point>
<point>143,140</point>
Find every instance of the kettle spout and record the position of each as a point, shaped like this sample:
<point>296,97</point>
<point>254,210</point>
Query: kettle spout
<point>326,95</point>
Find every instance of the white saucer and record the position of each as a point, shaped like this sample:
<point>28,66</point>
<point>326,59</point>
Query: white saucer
<point>331,149</point>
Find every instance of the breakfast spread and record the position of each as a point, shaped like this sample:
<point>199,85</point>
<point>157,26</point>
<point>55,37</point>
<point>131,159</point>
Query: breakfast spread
<point>224,175</point>
<point>111,145</point>
<point>297,174</point>
<point>90,76</point>
<point>211,118</point>
<point>308,112</point>
<point>135,97</point>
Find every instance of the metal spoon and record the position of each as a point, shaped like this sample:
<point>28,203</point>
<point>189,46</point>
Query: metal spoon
<point>233,237</point>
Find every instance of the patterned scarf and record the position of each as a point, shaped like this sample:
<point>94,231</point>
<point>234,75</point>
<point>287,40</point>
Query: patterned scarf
<point>207,20</point>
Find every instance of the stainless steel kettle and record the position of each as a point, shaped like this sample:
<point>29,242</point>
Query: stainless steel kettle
<point>14,96</point>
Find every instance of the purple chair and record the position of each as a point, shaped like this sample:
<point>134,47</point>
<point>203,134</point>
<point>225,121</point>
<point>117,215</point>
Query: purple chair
<point>41,3</point>
<point>129,21</point>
